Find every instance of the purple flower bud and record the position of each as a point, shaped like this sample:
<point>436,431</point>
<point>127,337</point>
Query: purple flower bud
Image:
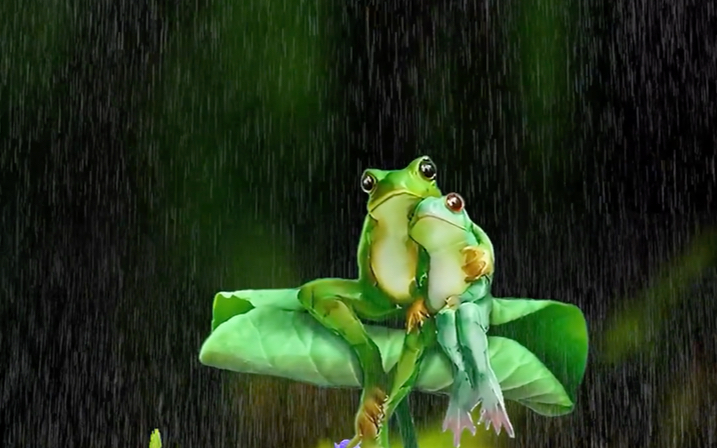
<point>344,443</point>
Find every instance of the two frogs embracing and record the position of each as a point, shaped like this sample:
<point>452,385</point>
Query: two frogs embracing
<point>421,258</point>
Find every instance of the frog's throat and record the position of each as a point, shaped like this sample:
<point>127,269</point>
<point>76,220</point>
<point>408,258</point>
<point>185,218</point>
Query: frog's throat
<point>392,195</point>
<point>425,232</point>
<point>418,218</point>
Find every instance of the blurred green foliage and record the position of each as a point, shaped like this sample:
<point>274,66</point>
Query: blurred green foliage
<point>544,79</point>
<point>216,151</point>
<point>262,69</point>
<point>34,43</point>
<point>635,329</point>
<point>640,328</point>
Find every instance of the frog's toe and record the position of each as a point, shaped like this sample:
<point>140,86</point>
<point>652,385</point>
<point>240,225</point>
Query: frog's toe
<point>370,417</point>
<point>416,315</point>
<point>498,417</point>
<point>456,421</point>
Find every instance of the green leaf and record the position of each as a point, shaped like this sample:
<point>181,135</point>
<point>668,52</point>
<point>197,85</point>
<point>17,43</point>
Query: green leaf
<point>525,379</point>
<point>229,304</point>
<point>290,344</point>
<point>555,332</point>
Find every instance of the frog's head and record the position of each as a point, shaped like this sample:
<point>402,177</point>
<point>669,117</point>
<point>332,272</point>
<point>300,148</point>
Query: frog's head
<point>440,222</point>
<point>394,193</point>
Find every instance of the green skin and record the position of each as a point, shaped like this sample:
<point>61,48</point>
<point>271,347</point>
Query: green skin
<point>388,261</point>
<point>446,232</point>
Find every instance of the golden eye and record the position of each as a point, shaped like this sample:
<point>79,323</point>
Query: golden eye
<point>454,202</point>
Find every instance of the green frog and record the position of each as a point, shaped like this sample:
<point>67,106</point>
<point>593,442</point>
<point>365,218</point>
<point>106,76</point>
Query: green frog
<point>388,261</point>
<point>460,273</point>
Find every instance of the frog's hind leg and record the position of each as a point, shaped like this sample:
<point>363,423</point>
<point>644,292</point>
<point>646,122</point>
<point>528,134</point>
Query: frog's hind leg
<point>457,418</point>
<point>337,303</point>
<point>448,337</point>
<point>405,372</point>
<point>403,377</point>
<point>472,328</point>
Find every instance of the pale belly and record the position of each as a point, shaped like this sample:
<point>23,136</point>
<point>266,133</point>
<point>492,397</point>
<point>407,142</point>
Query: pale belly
<point>445,278</point>
<point>393,263</point>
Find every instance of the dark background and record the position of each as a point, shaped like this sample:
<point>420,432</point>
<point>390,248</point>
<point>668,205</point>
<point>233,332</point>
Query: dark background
<point>153,153</point>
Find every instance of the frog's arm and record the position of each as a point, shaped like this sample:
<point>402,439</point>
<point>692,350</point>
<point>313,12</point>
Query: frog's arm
<point>484,244</point>
<point>481,275</point>
<point>483,239</point>
<point>366,275</point>
<point>424,261</point>
<point>419,288</point>
<point>478,290</point>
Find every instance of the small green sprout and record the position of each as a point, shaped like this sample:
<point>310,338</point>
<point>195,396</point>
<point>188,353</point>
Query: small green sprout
<point>155,440</point>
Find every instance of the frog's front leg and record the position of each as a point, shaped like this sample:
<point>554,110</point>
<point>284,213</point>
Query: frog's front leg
<point>417,312</point>
<point>337,304</point>
<point>478,263</point>
<point>416,315</point>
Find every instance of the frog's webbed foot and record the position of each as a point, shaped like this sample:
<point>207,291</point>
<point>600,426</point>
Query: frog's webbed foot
<point>477,263</point>
<point>416,315</point>
<point>369,419</point>
<point>493,413</point>
<point>457,420</point>
<point>498,417</point>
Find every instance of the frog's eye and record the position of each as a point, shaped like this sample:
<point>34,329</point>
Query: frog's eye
<point>368,182</point>
<point>427,169</point>
<point>454,202</point>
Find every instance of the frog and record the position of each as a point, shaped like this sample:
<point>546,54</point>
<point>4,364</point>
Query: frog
<point>386,286</point>
<point>461,264</point>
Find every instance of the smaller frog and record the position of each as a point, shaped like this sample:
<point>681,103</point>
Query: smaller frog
<point>459,276</point>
